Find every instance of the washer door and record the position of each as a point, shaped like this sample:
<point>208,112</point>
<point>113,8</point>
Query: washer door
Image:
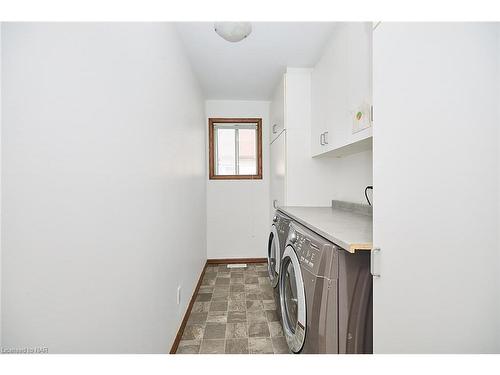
<point>292,300</point>
<point>273,256</point>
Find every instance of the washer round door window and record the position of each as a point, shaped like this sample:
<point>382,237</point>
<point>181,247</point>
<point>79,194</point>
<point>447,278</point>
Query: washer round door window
<point>273,257</point>
<point>292,300</point>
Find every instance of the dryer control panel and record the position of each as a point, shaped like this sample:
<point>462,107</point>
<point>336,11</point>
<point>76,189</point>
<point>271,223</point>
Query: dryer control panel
<point>282,223</point>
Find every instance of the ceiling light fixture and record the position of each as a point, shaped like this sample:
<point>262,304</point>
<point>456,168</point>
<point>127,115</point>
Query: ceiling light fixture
<point>233,31</point>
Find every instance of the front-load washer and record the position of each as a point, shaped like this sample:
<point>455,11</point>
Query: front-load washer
<point>275,248</point>
<point>325,295</point>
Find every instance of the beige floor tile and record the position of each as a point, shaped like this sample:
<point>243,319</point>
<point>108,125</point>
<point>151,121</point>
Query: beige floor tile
<point>189,347</point>
<point>237,288</point>
<point>269,305</point>
<point>217,317</point>
<point>275,329</point>
<point>236,296</point>
<point>252,288</point>
<point>193,332</point>
<point>256,316</point>
<point>206,289</point>
<point>236,316</point>
<point>251,280</point>
<point>221,288</point>
<point>267,294</point>
<point>260,346</point>
<point>272,316</point>
<point>218,306</point>
<point>215,331</point>
<point>221,296</point>
<point>222,280</point>
<point>258,329</point>
<point>237,306</point>
<point>236,281</point>
<point>212,347</point>
<point>254,305</point>
<point>203,297</point>
<point>197,318</point>
<point>280,346</point>
<point>200,307</point>
<point>264,280</point>
<point>208,282</point>
<point>253,296</point>
<point>236,330</point>
<point>236,346</point>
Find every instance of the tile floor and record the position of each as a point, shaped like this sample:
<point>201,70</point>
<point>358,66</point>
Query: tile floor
<point>234,313</point>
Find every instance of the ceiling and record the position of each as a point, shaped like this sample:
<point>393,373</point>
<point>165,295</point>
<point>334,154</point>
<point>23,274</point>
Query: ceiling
<point>250,69</point>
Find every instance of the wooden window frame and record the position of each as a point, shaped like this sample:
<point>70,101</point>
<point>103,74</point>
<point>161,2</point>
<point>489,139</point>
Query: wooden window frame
<point>211,153</point>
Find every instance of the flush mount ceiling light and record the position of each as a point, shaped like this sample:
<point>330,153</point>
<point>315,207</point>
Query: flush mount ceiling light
<point>233,31</point>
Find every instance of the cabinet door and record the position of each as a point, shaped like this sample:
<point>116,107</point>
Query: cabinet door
<point>319,110</point>
<point>277,110</point>
<point>359,52</point>
<point>436,187</point>
<point>278,171</point>
<point>331,120</point>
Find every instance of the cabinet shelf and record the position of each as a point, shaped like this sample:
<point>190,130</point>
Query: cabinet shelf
<point>348,149</point>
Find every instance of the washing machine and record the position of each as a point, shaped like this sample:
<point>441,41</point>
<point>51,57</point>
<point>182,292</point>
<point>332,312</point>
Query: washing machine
<point>275,248</point>
<point>325,295</point>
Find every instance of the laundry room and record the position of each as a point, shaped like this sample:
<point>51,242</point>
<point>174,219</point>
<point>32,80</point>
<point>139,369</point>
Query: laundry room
<point>289,188</point>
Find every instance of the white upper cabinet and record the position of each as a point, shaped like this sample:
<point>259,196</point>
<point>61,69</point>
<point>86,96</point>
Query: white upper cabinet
<point>342,92</point>
<point>295,177</point>
<point>277,110</point>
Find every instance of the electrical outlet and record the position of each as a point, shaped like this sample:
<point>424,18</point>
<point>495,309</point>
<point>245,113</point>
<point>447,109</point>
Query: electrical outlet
<point>179,295</point>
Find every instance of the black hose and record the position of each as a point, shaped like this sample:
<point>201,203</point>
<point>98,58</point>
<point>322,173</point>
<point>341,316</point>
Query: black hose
<point>366,194</point>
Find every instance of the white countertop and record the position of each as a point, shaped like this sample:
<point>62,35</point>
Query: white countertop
<point>349,230</point>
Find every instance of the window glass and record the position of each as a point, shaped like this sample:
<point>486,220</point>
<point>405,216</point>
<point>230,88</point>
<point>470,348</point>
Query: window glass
<point>247,151</point>
<point>226,151</point>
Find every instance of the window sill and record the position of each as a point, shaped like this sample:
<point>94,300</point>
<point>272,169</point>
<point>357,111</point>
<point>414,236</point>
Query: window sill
<point>235,177</point>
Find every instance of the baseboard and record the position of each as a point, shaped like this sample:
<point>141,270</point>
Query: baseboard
<point>180,332</point>
<point>236,260</point>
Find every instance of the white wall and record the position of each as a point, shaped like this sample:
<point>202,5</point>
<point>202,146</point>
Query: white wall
<point>436,215</point>
<point>103,186</point>
<point>237,210</point>
<point>498,175</point>
<point>350,175</point>
<point>0,184</point>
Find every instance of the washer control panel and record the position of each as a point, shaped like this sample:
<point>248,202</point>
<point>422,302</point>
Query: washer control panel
<point>314,252</point>
<point>309,254</point>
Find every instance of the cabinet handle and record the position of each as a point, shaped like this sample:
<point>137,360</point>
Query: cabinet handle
<point>325,138</point>
<point>275,203</point>
<point>374,266</point>
<point>274,128</point>
<point>321,136</point>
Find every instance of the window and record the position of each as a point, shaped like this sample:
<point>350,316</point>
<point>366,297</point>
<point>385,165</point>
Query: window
<point>235,148</point>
